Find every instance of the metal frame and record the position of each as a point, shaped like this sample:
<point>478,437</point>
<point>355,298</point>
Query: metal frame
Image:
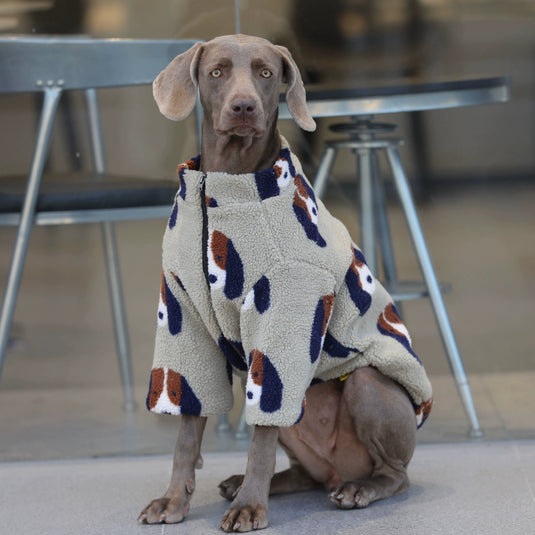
<point>52,66</point>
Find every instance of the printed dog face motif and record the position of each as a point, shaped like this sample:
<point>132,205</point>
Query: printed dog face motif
<point>259,296</point>
<point>319,328</point>
<point>225,268</point>
<point>270,182</point>
<point>170,393</point>
<point>169,310</point>
<point>263,383</point>
<point>306,211</point>
<point>390,324</point>
<point>423,411</point>
<point>360,282</point>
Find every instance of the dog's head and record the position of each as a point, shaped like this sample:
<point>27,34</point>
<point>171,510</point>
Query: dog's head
<point>239,79</point>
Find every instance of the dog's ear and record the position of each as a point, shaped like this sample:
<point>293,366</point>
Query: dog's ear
<point>175,88</point>
<point>295,92</point>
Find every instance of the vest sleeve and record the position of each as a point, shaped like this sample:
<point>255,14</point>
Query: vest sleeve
<point>284,320</point>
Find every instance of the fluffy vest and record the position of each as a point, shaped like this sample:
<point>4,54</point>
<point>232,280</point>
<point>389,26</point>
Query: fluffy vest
<point>259,279</point>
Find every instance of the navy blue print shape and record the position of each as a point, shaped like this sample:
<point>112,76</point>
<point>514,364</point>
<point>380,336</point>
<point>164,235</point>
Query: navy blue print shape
<point>189,402</point>
<point>262,295</point>
<point>335,349</point>
<point>174,311</point>
<point>234,279</point>
<point>233,352</point>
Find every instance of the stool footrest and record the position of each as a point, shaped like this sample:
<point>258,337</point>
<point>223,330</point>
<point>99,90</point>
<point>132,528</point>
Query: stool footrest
<point>407,290</point>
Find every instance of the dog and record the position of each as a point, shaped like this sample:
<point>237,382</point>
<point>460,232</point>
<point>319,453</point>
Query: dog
<point>260,280</point>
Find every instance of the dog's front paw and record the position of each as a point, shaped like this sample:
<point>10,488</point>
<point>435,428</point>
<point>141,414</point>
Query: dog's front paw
<point>166,510</point>
<point>230,487</point>
<point>352,495</point>
<point>245,518</point>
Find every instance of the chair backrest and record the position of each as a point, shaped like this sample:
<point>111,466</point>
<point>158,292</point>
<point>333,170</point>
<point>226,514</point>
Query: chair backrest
<point>29,64</point>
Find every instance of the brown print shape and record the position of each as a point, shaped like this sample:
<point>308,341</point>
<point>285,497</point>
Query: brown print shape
<point>424,409</point>
<point>156,386</point>
<point>219,249</point>
<point>328,304</point>
<point>174,387</point>
<point>257,367</point>
<point>388,317</point>
<point>162,290</point>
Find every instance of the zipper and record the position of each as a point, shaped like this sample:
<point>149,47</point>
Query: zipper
<point>204,211</point>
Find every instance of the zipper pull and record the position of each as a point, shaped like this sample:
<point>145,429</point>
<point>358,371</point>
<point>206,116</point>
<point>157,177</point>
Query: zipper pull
<point>202,181</point>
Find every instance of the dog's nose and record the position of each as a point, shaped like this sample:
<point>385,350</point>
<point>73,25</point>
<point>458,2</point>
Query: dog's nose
<point>243,106</point>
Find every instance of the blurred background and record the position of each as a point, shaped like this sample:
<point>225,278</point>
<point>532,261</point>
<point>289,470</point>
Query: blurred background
<point>473,171</point>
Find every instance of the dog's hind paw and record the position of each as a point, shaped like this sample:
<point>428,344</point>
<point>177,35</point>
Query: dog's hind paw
<point>230,487</point>
<point>352,495</point>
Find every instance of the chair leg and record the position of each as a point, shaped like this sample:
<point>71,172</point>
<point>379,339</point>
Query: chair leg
<point>118,313</point>
<point>50,104</point>
<point>366,207</point>
<point>433,288</point>
<point>324,170</point>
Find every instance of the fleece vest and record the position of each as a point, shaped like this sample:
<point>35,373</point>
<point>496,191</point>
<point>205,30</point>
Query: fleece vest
<point>260,280</point>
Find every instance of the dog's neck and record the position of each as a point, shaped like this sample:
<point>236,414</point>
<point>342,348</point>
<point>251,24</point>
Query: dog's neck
<point>238,154</point>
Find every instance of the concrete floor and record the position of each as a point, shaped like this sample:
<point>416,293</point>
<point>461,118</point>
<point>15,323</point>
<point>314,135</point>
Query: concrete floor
<point>60,395</point>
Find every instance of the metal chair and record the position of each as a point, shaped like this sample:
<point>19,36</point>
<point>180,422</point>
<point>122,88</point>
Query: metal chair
<point>52,66</point>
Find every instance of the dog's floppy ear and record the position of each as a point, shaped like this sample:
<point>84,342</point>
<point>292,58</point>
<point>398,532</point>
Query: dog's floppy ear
<point>175,88</point>
<point>295,92</point>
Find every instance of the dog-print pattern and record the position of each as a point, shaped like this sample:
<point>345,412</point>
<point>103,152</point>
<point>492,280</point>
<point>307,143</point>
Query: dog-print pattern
<point>225,268</point>
<point>390,324</point>
<point>306,210</point>
<point>169,309</point>
<point>319,327</point>
<point>264,385</point>
<point>273,256</point>
<point>170,393</point>
<point>270,182</point>
<point>259,296</point>
<point>360,282</point>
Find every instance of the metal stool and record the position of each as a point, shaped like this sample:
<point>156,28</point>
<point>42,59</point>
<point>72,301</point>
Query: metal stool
<point>366,145</point>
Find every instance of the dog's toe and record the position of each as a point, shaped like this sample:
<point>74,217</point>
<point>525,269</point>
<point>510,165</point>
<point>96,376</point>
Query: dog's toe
<point>230,487</point>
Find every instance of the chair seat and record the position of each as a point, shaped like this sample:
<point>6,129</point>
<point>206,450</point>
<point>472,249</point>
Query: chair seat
<point>87,191</point>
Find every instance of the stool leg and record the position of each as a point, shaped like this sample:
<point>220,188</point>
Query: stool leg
<point>385,239</point>
<point>433,288</point>
<point>366,205</point>
<point>324,170</point>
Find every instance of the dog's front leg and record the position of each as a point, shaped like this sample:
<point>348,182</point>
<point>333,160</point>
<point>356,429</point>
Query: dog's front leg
<point>173,506</point>
<point>249,509</point>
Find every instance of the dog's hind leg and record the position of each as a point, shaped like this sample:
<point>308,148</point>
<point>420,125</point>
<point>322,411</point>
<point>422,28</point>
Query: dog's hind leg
<point>385,423</point>
<point>293,479</point>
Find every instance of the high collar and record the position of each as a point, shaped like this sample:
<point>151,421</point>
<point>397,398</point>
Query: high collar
<point>224,188</point>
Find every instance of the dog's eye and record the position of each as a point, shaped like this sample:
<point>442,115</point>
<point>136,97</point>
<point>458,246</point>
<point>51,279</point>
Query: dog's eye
<point>216,73</point>
<point>266,73</point>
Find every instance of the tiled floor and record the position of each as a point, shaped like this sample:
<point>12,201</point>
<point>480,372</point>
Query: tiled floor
<point>60,396</point>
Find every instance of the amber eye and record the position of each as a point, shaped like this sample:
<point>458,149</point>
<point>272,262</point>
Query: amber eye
<point>266,73</point>
<point>216,73</point>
